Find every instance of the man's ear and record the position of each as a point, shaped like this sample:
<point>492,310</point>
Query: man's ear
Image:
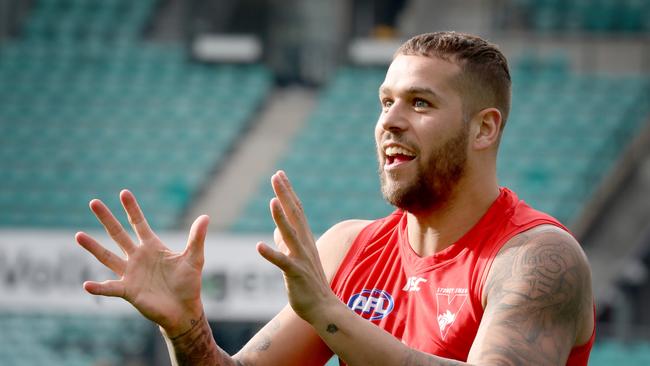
<point>486,128</point>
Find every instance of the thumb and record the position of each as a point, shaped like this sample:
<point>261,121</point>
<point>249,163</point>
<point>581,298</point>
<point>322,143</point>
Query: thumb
<point>278,258</point>
<point>112,288</point>
<point>196,239</point>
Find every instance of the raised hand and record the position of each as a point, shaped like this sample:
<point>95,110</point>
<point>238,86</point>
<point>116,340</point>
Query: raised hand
<point>297,255</point>
<point>164,286</point>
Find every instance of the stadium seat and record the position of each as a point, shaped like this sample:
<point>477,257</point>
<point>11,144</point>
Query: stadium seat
<point>598,16</point>
<point>91,108</point>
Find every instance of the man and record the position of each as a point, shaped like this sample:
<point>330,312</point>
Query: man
<point>463,272</point>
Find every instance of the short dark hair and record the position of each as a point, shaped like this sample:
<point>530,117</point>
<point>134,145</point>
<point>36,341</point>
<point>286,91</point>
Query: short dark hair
<point>484,80</point>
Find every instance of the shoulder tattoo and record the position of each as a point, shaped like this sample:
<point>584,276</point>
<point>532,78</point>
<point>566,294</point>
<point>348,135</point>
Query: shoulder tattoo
<point>539,285</point>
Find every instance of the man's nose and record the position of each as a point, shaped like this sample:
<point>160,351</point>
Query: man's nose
<point>395,118</point>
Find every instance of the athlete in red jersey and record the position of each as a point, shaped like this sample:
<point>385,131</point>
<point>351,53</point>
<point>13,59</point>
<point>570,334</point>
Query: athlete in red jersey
<point>463,273</point>
<point>433,304</point>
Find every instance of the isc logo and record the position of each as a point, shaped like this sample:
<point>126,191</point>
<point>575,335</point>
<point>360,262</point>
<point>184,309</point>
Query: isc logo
<point>376,303</point>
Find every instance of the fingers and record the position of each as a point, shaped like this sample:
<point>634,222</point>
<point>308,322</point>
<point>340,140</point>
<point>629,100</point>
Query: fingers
<point>290,191</point>
<point>112,226</point>
<point>277,237</point>
<point>196,239</point>
<point>286,230</point>
<point>136,217</point>
<point>105,256</point>
<point>111,288</point>
<point>279,242</point>
<point>277,258</point>
<point>288,198</point>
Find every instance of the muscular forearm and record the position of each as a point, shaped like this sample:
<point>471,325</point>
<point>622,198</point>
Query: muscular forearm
<point>359,342</point>
<point>196,346</point>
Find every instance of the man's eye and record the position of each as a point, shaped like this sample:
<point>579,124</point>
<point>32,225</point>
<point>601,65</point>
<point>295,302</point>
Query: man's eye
<point>386,103</point>
<point>420,103</point>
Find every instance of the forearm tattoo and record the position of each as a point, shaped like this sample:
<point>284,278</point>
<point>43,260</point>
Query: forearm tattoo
<point>196,346</point>
<point>260,343</point>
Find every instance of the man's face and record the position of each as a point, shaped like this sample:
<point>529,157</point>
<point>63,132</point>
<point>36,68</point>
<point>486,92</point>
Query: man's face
<point>421,136</point>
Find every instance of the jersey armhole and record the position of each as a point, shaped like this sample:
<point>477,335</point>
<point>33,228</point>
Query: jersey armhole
<point>350,258</point>
<point>493,253</point>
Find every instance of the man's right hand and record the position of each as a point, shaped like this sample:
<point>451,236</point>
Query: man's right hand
<point>163,285</point>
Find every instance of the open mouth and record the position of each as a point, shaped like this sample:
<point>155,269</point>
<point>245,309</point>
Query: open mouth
<point>396,155</point>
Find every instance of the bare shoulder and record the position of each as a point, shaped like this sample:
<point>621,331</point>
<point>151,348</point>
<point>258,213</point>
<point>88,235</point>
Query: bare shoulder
<point>538,291</point>
<point>543,253</point>
<point>333,245</point>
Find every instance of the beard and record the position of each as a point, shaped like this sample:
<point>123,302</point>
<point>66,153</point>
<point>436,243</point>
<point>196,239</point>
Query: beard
<point>435,180</point>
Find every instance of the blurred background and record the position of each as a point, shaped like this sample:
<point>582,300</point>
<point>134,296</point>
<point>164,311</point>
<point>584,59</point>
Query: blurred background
<point>194,104</point>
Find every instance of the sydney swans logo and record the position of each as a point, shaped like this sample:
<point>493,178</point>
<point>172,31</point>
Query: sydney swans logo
<point>449,302</point>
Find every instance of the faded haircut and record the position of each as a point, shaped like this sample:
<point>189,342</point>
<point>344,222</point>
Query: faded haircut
<point>484,80</point>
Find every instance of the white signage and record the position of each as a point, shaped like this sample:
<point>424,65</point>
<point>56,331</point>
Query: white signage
<point>44,271</point>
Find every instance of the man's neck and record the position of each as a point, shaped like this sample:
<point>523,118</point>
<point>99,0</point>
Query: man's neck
<point>436,230</point>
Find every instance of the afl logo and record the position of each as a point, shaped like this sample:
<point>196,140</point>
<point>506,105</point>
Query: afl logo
<point>371,304</point>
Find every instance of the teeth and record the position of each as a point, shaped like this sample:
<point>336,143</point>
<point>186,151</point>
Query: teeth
<point>396,150</point>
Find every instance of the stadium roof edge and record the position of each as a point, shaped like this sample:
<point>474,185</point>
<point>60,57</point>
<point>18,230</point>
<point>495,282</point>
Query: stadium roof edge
<point>365,51</point>
<point>227,48</point>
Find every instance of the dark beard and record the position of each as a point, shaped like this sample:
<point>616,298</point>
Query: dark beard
<point>433,185</point>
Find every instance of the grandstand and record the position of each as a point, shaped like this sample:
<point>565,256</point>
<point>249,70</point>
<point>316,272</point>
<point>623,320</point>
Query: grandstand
<point>89,109</point>
<point>99,95</point>
<point>587,120</point>
<point>73,339</point>
<point>332,161</point>
<point>604,16</point>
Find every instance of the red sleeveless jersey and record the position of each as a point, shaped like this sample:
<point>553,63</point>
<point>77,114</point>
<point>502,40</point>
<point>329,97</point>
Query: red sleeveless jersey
<point>433,303</point>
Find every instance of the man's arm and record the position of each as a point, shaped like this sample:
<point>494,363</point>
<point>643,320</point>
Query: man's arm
<point>287,339</point>
<point>162,285</point>
<point>540,285</point>
<point>539,301</point>
<point>165,287</point>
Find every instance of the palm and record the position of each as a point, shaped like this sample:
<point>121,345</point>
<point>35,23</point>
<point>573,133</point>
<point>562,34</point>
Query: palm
<point>157,280</point>
<point>163,285</point>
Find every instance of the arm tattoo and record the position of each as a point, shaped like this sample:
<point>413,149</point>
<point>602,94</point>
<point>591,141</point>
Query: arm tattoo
<point>538,290</point>
<point>261,342</point>
<point>332,328</point>
<point>196,346</point>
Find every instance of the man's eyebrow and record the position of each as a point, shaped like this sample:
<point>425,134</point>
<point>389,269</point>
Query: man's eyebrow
<point>422,90</point>
<point>413,90</point>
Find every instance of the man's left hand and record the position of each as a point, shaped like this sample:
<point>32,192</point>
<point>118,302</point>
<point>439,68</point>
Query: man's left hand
<point>297,256</point>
